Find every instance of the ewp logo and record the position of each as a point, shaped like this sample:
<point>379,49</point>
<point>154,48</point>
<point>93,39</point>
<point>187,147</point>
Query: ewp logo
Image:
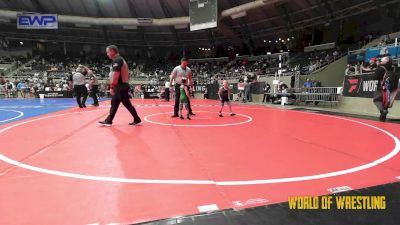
<point>37,21</point>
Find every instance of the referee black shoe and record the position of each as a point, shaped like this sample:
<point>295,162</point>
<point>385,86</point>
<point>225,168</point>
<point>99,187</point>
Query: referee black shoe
<point>174,116</point>
<point>135,123</point>
<point>105,123</point>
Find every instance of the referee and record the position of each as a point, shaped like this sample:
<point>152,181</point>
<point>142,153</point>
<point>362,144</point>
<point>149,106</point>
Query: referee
<point>78,82</point>
<point>179,73</point>
<point>119,88</point>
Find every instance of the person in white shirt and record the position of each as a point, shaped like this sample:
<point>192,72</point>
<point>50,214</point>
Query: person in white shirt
<point>179,72</point>
<point>78,81</point>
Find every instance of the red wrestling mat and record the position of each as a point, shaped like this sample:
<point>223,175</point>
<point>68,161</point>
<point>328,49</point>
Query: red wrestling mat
<point>63,168</point>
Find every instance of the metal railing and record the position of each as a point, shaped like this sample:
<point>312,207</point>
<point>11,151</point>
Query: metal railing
<point>319,94</point>
<point>320,47</point>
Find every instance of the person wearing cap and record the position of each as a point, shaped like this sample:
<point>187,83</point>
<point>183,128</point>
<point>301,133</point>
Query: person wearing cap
<point>179,72</point>
<point>77,80</point>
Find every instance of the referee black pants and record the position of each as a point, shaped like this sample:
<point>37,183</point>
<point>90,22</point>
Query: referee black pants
<point>177,97</point>
<point>122,95</point>
<point>80,91</point>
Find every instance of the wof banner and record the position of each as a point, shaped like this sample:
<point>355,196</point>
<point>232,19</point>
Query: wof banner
<point>362,86</point>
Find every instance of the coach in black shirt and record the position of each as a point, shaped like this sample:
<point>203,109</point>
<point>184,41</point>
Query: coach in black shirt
<point>119,88</point>
<point>386,92</point>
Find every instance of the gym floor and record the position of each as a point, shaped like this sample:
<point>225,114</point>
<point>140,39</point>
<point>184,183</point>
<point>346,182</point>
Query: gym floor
<point>58,166</point>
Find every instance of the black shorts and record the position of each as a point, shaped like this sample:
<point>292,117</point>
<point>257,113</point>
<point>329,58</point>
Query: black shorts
<point>224,100</point>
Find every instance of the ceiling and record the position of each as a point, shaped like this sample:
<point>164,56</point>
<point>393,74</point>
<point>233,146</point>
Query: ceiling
<point>283,18</point>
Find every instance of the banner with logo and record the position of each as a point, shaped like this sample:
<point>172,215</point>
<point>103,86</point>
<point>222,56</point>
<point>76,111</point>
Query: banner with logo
<point>56,94</point>
<point>37,21</point>
<point>362,86</point>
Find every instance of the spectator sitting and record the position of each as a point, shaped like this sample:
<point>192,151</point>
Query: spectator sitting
<point>327,58</point>
<point>308,84</point>
<point>367,38</point>
<point>283,87</point>
<point>384,52</point>
<point>382,43</point>
<point>317,83</point>
<point>350,70</point>
<point>335,54</point>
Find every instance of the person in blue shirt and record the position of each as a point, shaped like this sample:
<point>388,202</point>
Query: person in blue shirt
<point>308,84</point>
<point>22,88</point>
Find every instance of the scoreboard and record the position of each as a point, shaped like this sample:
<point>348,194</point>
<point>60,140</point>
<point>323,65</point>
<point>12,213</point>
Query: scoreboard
<point>203,14</point>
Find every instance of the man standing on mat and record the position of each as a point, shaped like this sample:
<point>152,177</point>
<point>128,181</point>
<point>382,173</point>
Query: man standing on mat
<point>179,72</point>
<point>78,82</point>
<point>119,87</point>
<point>388,84</point>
